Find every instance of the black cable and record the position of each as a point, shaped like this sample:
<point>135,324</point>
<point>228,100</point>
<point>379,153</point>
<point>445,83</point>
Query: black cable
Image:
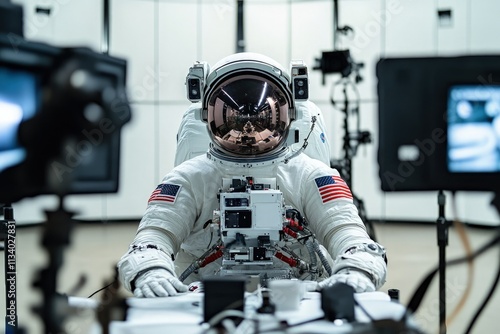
<point>211,238</point>
<point>105,287</point>
<point>285,325</point>
<point>419,294</point>
<point>485,302</point>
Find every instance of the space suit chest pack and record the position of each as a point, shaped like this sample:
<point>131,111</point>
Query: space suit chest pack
<point>260,235</point>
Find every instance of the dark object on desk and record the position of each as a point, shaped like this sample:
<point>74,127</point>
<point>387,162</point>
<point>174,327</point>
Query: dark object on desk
<point>394,294</point>
<point>223,293</point>
<point>389,326</point>
<point>267,305</point>
<point>337,302</point>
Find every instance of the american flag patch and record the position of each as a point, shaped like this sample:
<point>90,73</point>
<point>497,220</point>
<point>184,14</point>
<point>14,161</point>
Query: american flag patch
<point>165,192</point>
<point>332,187</point>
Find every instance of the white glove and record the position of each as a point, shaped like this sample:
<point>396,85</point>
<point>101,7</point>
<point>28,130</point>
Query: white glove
<point>158,283</point>
<point>357,279</point>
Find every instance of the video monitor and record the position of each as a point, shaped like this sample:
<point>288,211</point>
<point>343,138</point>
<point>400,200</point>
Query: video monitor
<point>439,123</point>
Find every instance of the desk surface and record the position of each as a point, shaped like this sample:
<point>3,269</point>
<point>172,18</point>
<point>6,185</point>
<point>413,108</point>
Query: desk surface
<point>184,314</point>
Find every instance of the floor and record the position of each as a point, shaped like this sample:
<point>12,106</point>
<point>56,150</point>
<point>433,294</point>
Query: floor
<point>412,252</point>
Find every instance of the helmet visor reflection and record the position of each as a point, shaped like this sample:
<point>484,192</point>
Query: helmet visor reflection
<point>248,115</point>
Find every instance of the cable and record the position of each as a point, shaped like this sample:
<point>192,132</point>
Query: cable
<point>105,287</point>
<point>285,325</point>
<point>419,294</point>
<point>223,315</point>
<point>485,302</point>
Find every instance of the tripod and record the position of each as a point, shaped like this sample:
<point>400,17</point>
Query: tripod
<point>351,142</point>
<point>56,237</point>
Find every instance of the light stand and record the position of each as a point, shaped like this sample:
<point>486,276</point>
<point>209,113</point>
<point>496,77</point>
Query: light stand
<point>351,142</point>
<point>56,236</point>
<point>340,61</point>
<point>442,241</point>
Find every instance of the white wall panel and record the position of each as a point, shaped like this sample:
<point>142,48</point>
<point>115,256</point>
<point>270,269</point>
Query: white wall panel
<point>169,118</point>
<point>267,29</point>
<point>217,30</point>
<point>312,33</point>
<point>64,23</point>
<point>412,29</point>
<point>412,206</point>
<point>31,210</point>
<point>78,23</point>
<point>87,207</point>
<point>368,19</point>
<point>452,33</point>
<point>132,34</point>
<point>476,208</point>
<point>38,26</point>
<point>484,26</point>
<point>177,47</point>
<point>137,166</point>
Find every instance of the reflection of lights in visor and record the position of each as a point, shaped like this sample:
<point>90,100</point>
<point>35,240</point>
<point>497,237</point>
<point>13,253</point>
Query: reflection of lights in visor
<point>264,89</point>
<point>229,97</point>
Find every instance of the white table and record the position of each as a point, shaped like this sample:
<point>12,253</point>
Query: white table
<point>184,314</point>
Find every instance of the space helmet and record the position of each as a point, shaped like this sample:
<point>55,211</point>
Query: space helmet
<point>248,103</point>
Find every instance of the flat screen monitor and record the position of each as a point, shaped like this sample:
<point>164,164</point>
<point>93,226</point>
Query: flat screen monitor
<point>439,123</point>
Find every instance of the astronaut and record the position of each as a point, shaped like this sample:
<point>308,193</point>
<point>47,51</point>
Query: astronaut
<point>247,104</point>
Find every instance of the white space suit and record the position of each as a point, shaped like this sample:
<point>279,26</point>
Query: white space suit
<point>249,103</point>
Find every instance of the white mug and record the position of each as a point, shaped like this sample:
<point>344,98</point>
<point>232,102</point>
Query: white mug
<point>286,294</point>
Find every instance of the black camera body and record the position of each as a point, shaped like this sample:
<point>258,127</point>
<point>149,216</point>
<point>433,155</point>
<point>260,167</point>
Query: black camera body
<point>61,112</point>
<point>439,123</point>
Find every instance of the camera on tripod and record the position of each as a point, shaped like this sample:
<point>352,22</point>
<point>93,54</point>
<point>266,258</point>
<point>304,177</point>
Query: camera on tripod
<point>439,123</point>
<point>338,61</point>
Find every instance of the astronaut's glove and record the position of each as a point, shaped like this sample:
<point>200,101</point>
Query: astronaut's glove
<point>355,278</point>
<point>158,283</point>
<point>367,261</point>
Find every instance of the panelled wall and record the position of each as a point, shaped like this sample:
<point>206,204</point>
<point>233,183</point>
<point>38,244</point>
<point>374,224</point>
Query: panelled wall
<point>162,38</point>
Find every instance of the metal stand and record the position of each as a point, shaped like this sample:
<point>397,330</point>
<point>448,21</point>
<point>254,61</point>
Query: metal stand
<point>55,306</point>
<point>442,241</point>
<point>344,166</point>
